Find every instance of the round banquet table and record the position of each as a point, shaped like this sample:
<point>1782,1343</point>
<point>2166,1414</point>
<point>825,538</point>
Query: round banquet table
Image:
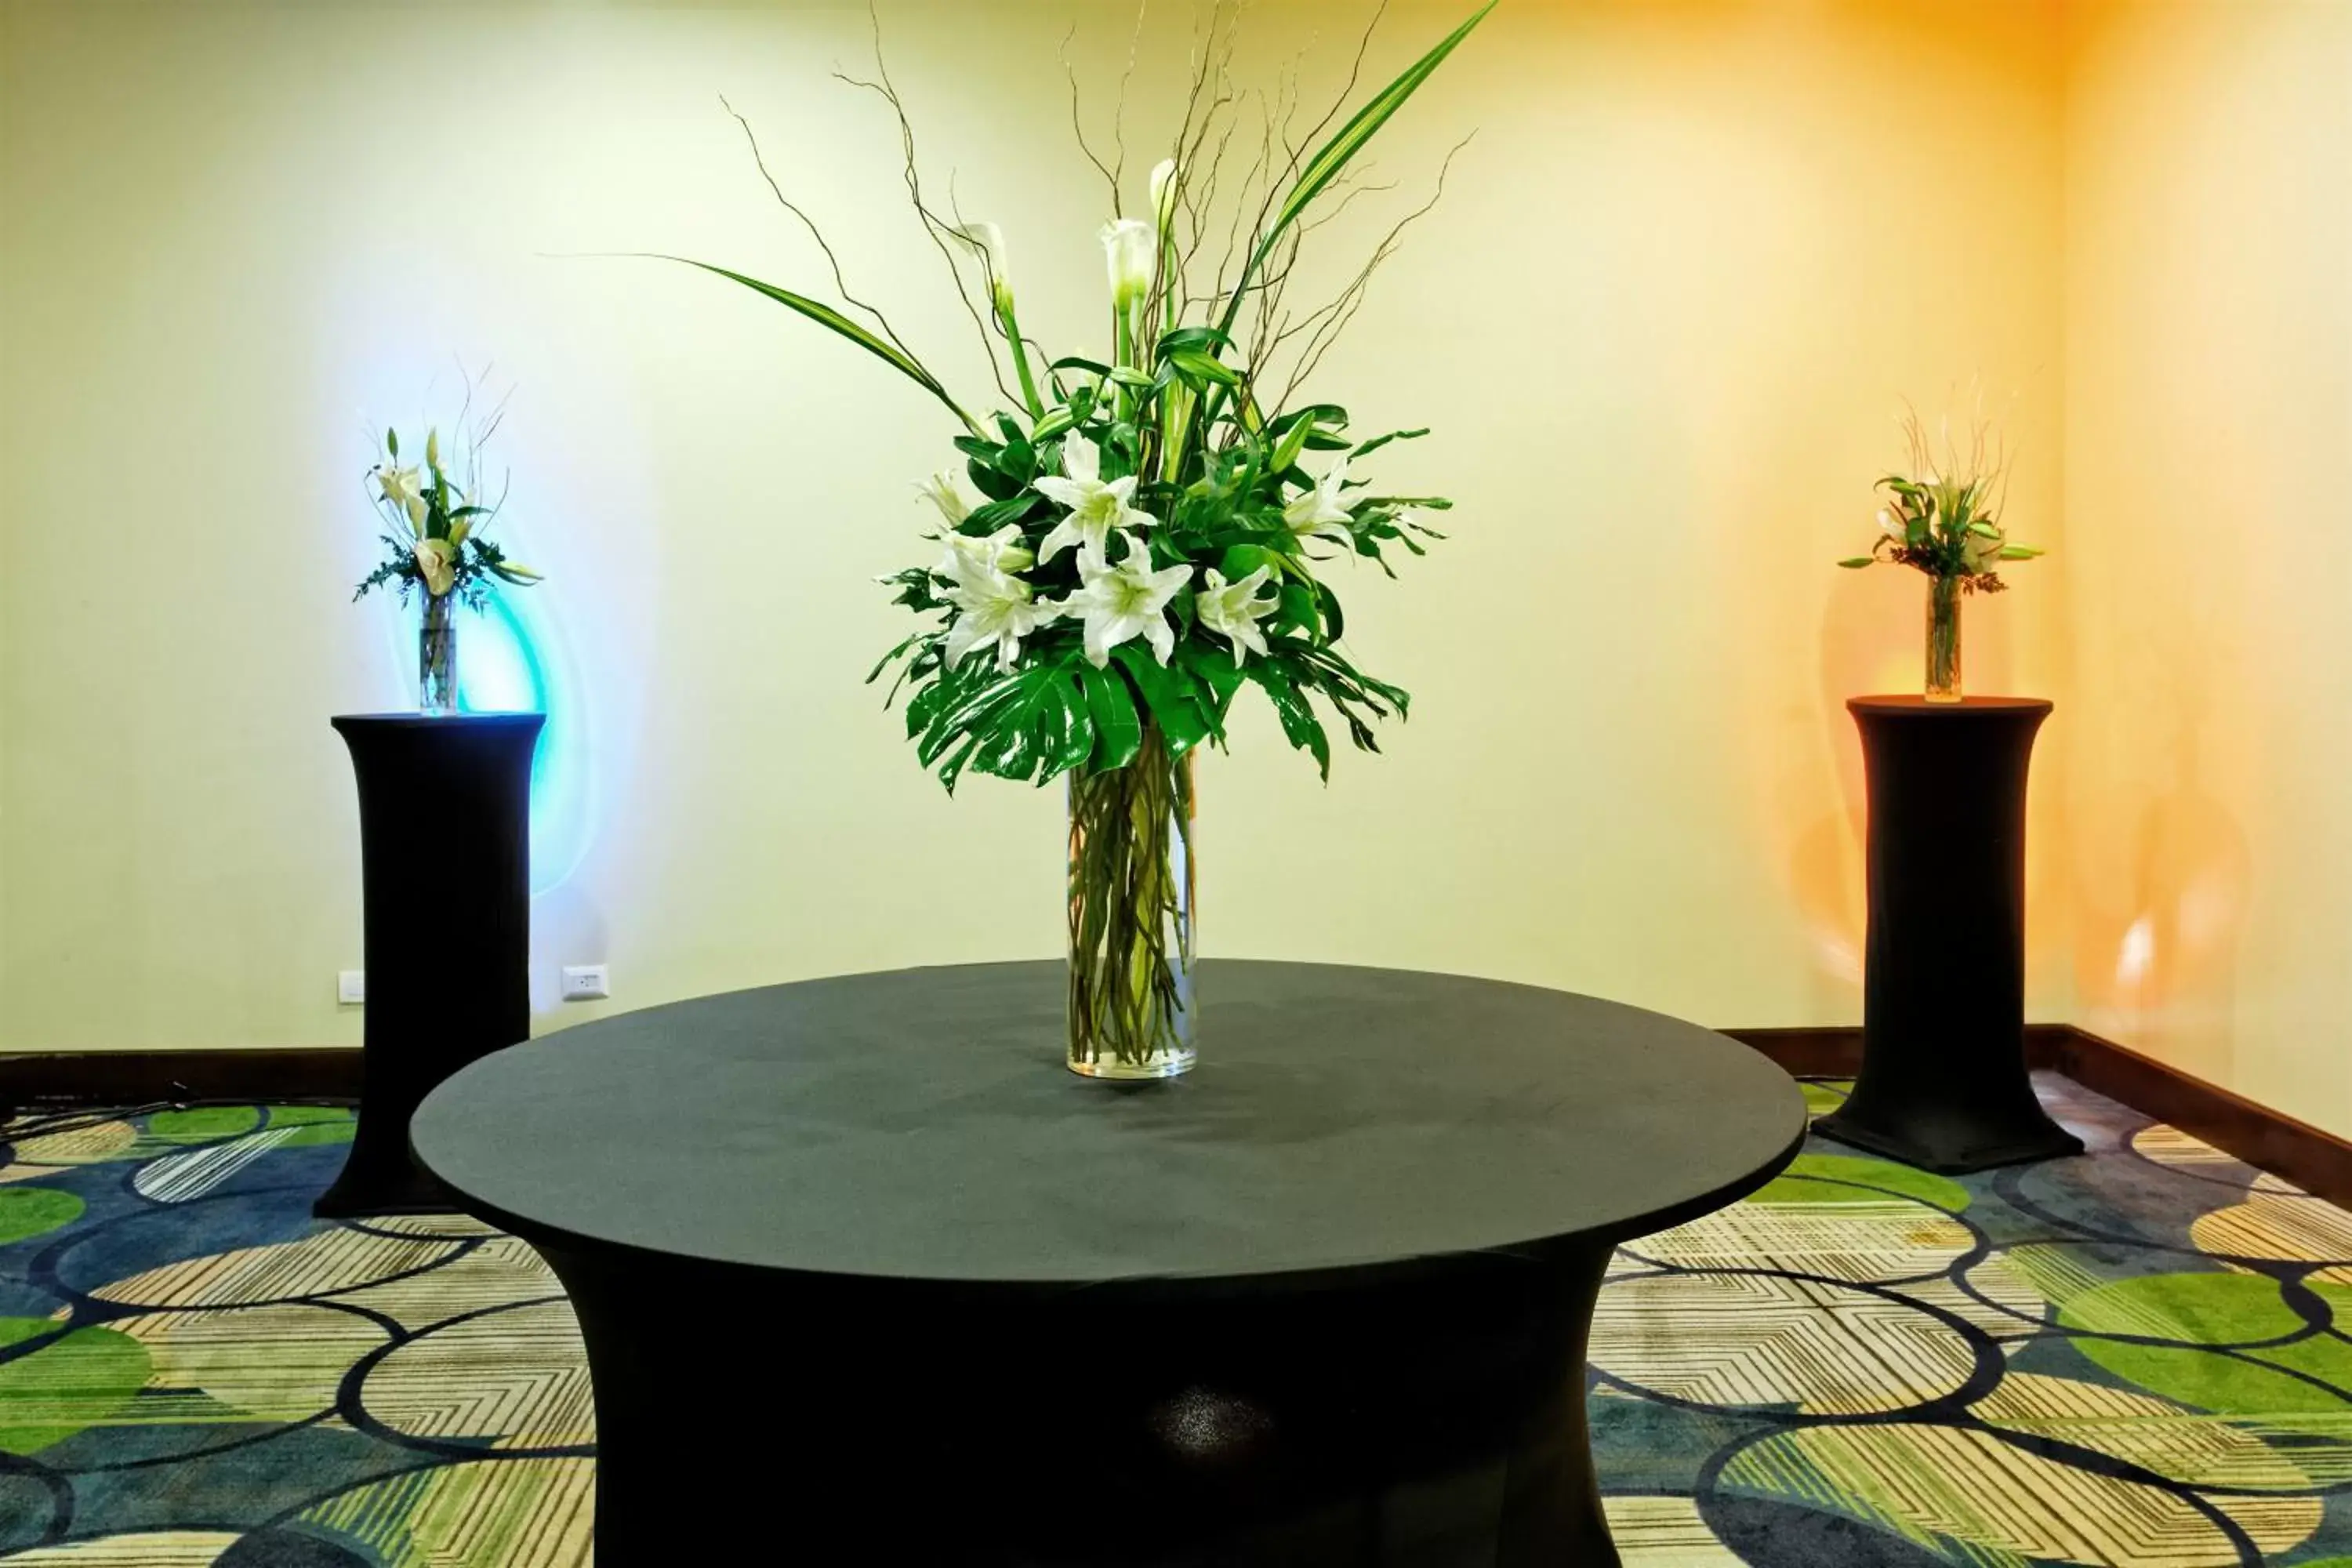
<point>858,1264</point>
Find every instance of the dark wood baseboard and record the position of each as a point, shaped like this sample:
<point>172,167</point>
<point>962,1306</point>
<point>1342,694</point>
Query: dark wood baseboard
<point>2313,1159</point>
<point>1836,1052</point>
<point>71,1081</point>
<point>1807,1053</point>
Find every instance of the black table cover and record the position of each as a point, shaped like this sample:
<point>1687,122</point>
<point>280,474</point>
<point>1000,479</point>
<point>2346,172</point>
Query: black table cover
<point>1943,1082</point>
<point>445,857</point>
<point>1323,1300</point>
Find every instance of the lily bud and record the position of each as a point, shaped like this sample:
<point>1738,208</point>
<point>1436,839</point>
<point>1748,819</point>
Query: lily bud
<point>433,449</point>
<point>1127,246</point>
<point>989,240</point>
<point>1164,187</point>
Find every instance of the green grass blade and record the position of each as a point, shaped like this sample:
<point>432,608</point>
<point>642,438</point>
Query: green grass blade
<point>1334,155</point>
<point>825,316</point>
<point>1325,166</point>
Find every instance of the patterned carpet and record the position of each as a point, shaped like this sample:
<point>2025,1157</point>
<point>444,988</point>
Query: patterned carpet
<point>2127,1358</point>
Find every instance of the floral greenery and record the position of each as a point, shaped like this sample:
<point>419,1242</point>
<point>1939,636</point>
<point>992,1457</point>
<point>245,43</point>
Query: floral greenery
<point>434,527</point>
<point>1943,518</point>
<point>1130,912</point>
<point>1149,535</point>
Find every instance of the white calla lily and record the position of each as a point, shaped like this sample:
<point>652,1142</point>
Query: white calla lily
<point>941,490</point>
<point>436,562</point>
<point>1322,511</point>
<point>1892,526</point>
<point>1098,506</point>
<point>1123,602</point>
<point>1232,610</point>
<point>994,609</point>
<point>989,240</point>
<point>973,555</point>
<point>1164,185</point>
<point>1130,250</point>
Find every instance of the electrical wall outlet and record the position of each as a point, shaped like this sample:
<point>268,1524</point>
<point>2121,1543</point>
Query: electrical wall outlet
<point>585,982</point>
<point>351,987</point>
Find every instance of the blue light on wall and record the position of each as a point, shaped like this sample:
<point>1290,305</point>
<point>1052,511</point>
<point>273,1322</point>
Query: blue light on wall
<point>504,666</point>
<point>497,669</point>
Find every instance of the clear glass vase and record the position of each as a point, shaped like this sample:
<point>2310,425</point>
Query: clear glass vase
<point>436,655</point>
<point>1943,639</point>
<point>1130,1009</point>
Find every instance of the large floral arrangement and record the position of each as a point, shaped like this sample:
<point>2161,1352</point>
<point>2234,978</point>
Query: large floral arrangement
<point>1146,529</point>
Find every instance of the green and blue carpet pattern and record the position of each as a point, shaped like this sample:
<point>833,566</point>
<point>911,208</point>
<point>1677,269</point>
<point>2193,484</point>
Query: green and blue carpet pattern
<point>2133,1358</point>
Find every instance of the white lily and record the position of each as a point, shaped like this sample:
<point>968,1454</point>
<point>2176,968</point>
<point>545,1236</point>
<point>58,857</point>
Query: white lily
<point>1232,610</point>
<point>399,486</point>
<point>1321,510</point>
<point>972,555</point>
<point>996,608</point>
<point>1130,248</point>
<point>1123,602</point>
<point>436,561</point>
<point>1982,554</point>
<point>989,240</point>
<point>1096,506</point>
<point>1892,526</point>
<point>941,490</point>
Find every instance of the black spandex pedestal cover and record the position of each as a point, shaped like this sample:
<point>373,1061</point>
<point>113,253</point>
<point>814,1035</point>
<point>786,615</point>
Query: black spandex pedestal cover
<point>1943,1082</point>
<point>1323,1300</point>
<point>445,862</point>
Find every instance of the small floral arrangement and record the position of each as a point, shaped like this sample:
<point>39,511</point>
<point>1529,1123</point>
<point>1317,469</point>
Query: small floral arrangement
<point>1943,519</point>
<point>433,542</point>
<point>435,528</point>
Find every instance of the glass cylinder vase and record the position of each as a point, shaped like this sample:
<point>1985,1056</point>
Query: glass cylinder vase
<point>436,655</point>
<point>1943,639</point>
<point>1130,1008</point>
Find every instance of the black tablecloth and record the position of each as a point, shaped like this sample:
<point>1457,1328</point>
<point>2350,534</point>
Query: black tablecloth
<point>918,1125</point>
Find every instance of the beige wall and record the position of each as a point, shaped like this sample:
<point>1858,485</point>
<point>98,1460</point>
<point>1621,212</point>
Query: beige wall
<point>1695,258</point>
<point>2208,459</point>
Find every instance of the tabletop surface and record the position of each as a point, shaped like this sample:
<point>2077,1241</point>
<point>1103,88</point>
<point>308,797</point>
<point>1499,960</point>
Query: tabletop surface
<point>1918,704</point>
<point>918,1124</point>
<point>498,720</point>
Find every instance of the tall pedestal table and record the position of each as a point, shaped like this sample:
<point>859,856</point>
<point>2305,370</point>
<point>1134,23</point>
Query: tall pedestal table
<point>859,1265</point>
<point>1943,1082</point>
<point>445,855</point>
